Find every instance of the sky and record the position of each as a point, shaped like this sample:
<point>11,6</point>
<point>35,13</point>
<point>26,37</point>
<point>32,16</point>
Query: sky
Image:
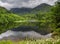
<point>24,3</point>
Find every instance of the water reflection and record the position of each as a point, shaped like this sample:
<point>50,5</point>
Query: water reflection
<point>21,30</point>
<point>13,35</point>
<point>5,27</point>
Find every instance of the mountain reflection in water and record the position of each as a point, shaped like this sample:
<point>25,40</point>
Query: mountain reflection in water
<point>18,31</point>
<point>22,35</point>
<point>24,32</point>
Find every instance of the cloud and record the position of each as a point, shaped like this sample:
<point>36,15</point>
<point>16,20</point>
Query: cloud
<point>6,5</point>
<point>24,3</point>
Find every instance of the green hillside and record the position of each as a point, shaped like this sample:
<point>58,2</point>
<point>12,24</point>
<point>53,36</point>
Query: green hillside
<point>6,16</point>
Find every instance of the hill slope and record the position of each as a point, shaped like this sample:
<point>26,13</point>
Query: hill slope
<point>20,10</point>
<point>6,16</point>
<point>42,8</point>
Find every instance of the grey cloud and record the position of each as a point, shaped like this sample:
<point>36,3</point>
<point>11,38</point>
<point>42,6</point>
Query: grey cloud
<point>14,1</point>
<point>24,3</point>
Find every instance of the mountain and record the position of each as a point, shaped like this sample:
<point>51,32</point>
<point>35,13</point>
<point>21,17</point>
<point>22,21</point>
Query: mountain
<point>20,10</point>
<point>42,8</point>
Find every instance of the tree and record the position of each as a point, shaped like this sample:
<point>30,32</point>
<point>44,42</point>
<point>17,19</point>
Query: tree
<point>56,13</point>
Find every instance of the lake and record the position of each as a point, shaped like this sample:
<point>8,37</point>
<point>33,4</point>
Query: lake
<point>18,31</point>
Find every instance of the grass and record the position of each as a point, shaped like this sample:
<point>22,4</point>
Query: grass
<point>42,41</point>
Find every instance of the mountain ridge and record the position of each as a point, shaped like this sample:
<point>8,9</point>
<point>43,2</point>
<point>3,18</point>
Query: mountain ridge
<point>42,7</point>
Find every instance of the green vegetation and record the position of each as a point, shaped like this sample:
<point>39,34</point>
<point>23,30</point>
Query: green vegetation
<point>56,14</point>
<point>7,17</point>
<point>42,41</point>
<point>48,21</point>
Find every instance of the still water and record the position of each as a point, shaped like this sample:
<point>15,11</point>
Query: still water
<point>17,31</point>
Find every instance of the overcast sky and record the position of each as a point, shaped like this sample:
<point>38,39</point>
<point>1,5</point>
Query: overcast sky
<point>24,3</point>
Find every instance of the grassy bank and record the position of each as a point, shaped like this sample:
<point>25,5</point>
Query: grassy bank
<point>42,41</point>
